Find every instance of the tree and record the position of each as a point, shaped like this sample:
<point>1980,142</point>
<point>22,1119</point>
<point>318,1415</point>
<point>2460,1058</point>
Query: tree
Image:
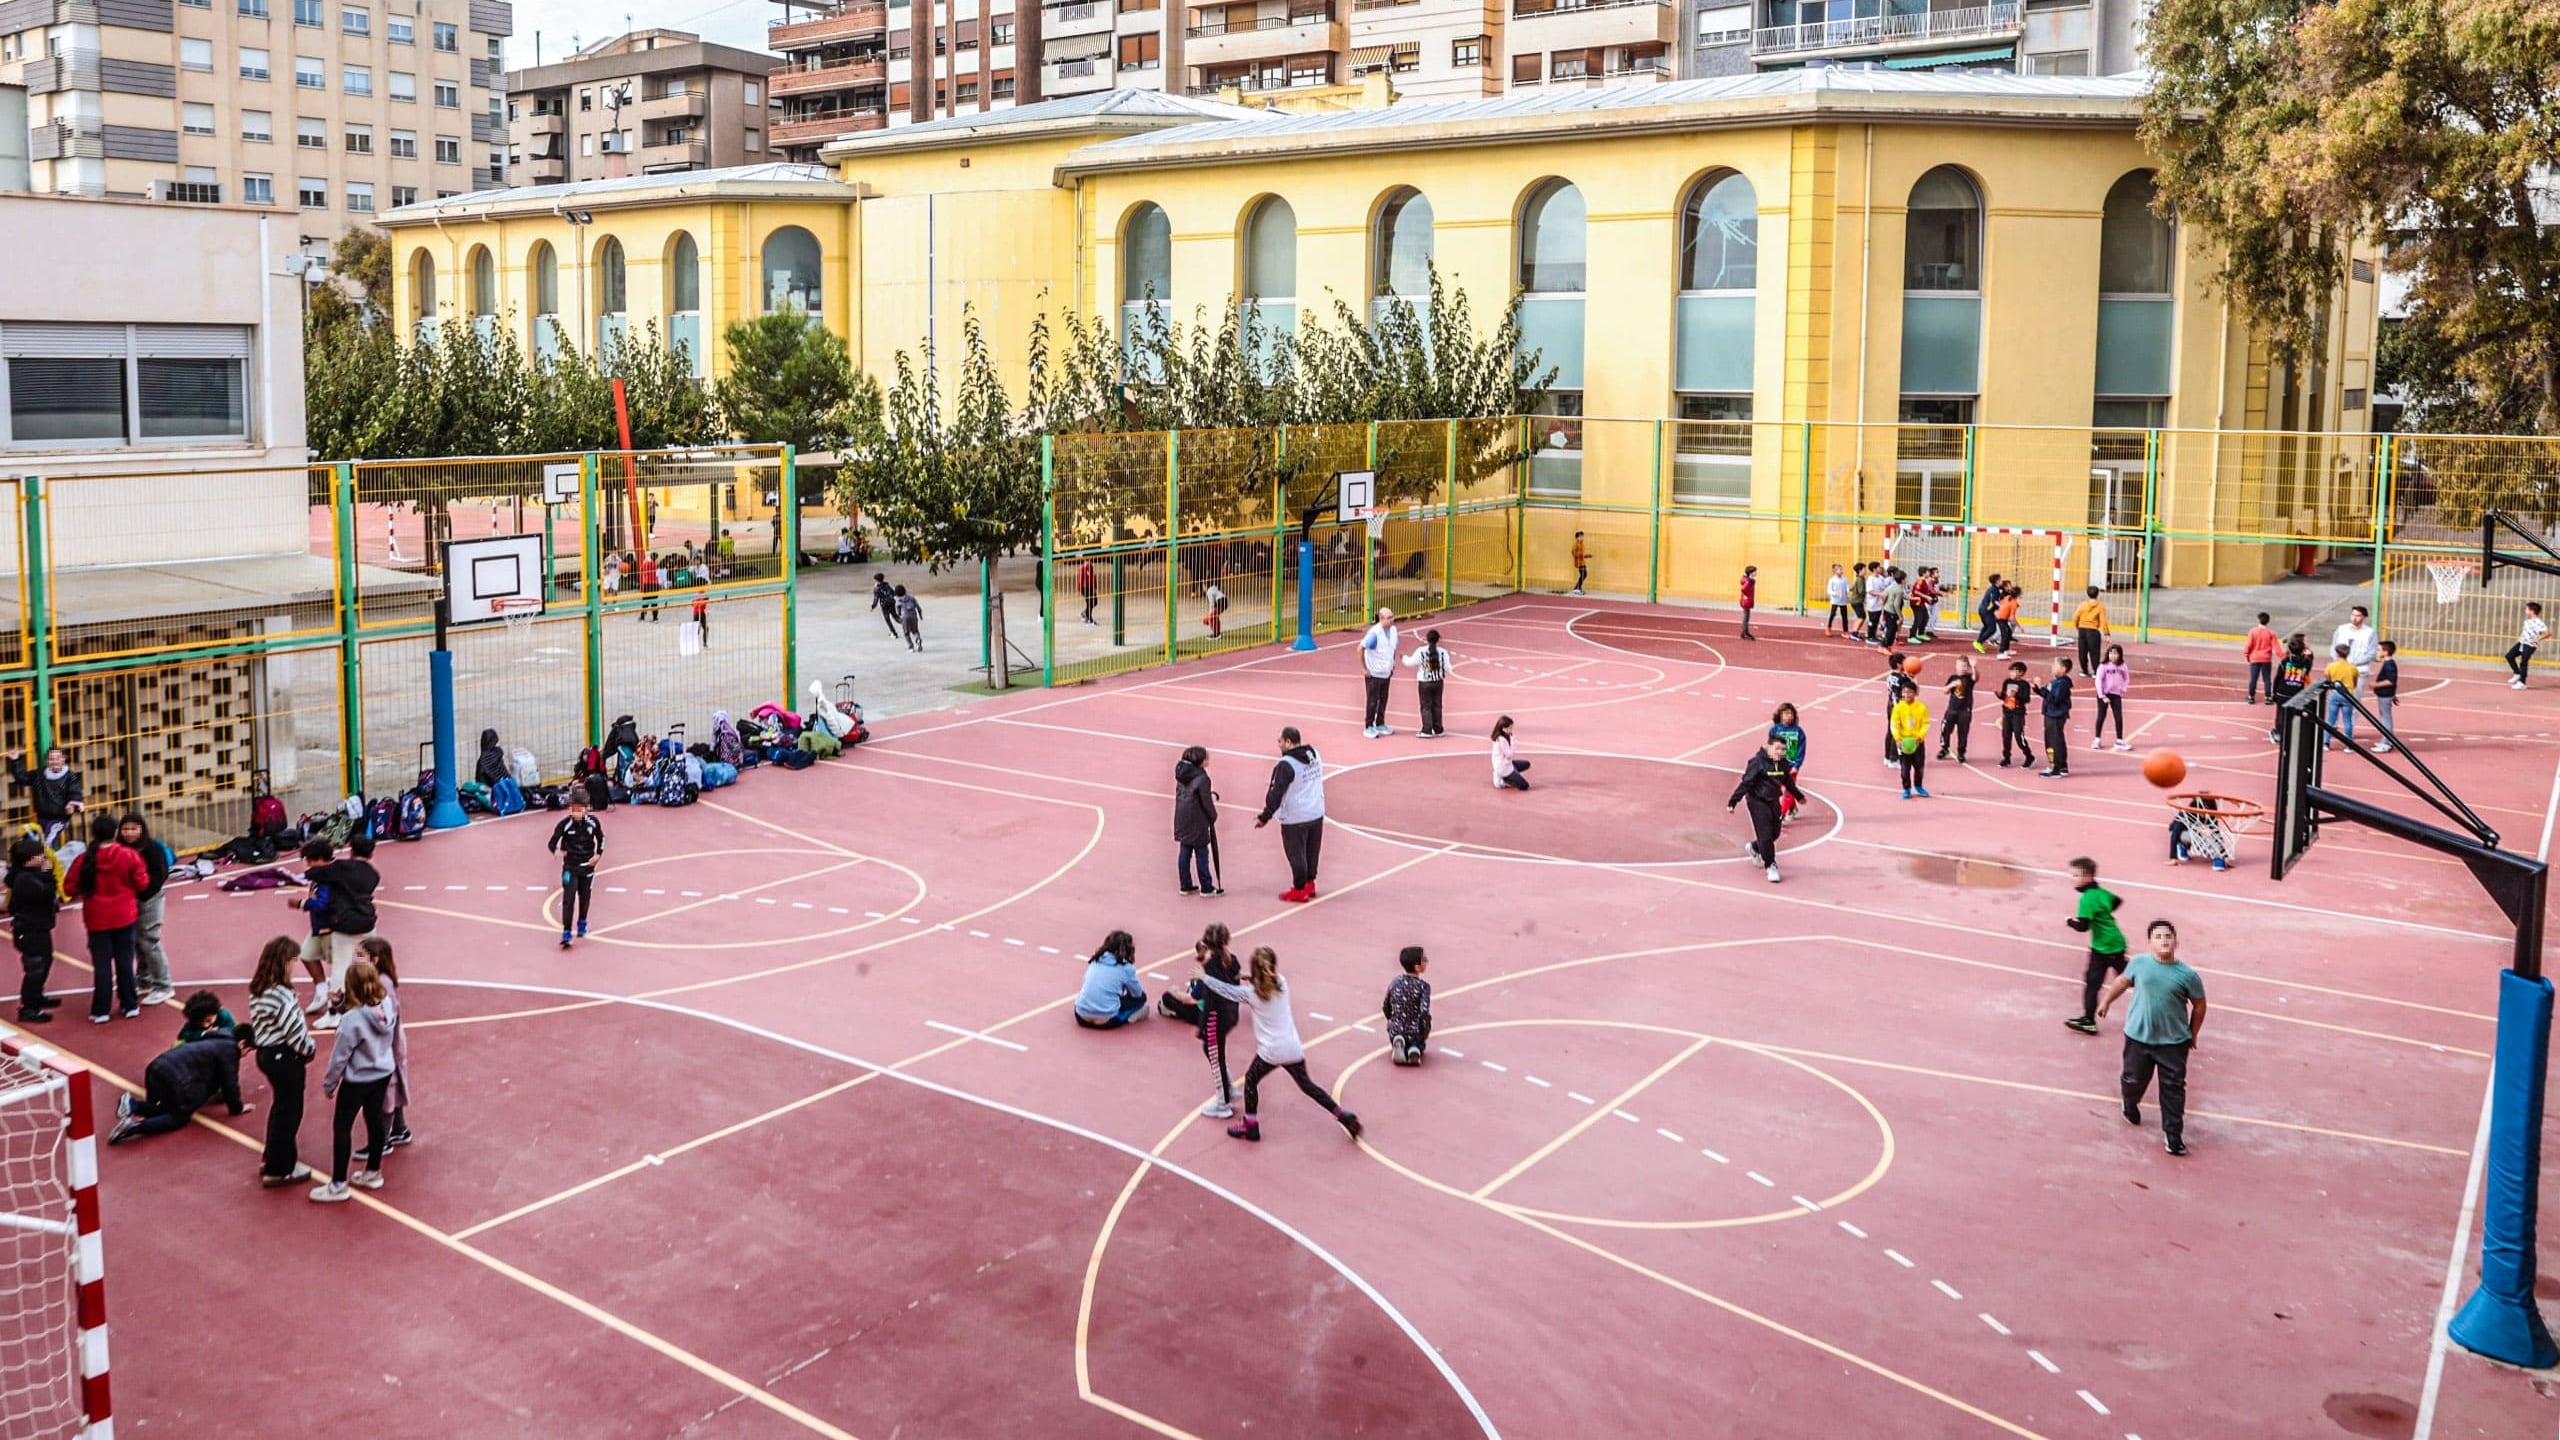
<point>359,281</point>
<point>791,381</point>
<point>2286,126</point>
<point>947,486</point>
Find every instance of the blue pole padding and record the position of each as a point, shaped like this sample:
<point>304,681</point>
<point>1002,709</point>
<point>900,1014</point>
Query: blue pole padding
<point>445,811</point>
<point>1306,597</point>
<point>2500,1320</point>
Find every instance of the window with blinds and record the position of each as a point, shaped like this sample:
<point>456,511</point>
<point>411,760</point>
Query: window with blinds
<point>122,384</point>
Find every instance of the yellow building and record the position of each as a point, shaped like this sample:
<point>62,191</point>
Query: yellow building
<point>1931,296</point>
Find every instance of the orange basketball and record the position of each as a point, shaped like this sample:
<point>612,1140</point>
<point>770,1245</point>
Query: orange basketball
<point>2164,768</point>
<point>1911,666</point>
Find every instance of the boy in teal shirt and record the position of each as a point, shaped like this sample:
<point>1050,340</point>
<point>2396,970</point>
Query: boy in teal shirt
<point>2095,917</point>
<point>2159,1031</point>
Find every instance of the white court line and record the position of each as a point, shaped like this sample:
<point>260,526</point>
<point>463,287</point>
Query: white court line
<point>975,1035</point>
<point>1578,1095</point>
<point>1667,1135</point>
<point>1453,1054</point>
<point>1489,1065</point>
<point>2094,1402</point>
<point>1808,1204</point>
<point>1946,1289</point>
<point>1541,1084</point>
<point>1319,1015</point>
<point>2433,1389</point>
<point>1996,1326</point>
<point>1623,1115</point>
<point>2049,1367</point>
<point>1710,1154</point>
<point>1763,1179</point>
<point>1852,1229</point>
<point>1365,1029</point>
<point>1899,1258</point>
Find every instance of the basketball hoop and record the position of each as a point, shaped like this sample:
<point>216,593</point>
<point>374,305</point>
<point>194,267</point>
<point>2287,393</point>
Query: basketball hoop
<point>2449,575</point>
<point>517,614</point>
<point>2215,823</point>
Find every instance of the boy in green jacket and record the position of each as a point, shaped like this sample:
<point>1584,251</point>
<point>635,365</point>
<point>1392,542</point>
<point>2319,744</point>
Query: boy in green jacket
<point>2095,917</point>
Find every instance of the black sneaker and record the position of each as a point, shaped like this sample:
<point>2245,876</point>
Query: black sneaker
<point>398,1139</point>
<point>2177,1147</point>
<point>1350,1122</point>
<point>1190,889</point>
<point>2132,1113</point>
<point>1212,892</point>
<point>2082,1024</point>
<point>35,1017</point>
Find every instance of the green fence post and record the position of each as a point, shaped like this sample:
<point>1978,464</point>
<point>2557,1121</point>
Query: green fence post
<point>789,520</point>
<point>1368,547</point>
<point>1653,538</point>
<point>1520,508</point>
<point>1449,515</point>
<point>342,524</point>
<point>1172,544</point>
<point>1279,524</point>
<point>1964,534</point>
<point>589,509</point>
<point>1049,561</point>
<point>2150,532</point>
<point>39,614</point>
<point>1804,529</point>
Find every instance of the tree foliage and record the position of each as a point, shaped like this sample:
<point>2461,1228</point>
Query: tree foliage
<point>2287,126</point>
<point>454,392</point>
<point>791,381</point>
<point>359,282</point>
<point>947,483</point>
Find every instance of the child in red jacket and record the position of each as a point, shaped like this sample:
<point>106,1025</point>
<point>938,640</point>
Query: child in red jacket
<point>1750,598</point>
<point>108,880</point>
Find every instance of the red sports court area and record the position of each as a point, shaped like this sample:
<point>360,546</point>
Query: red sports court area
<point>803,1141</point>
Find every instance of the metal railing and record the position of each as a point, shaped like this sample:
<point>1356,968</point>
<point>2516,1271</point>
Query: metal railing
<point>1539,9</point>
<point>1884,30</point>
<point>1272,22</point>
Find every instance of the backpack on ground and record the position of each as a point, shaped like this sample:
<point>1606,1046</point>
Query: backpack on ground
<point>382,818</point>
<point>599,791</point>
<point>590,762</point>
<point>474,797</point>
<point>338,827</point>
<point>526,770</point>
<point>625,734</point>
<point>248,850</point>
<point>821,743</point>
<point>266,813</point>
<point>794,758</point>
<point>506,797</point>
<point>717,774</point>
<point>674,787</point>
<point>271,878</point>
<point>410,821</point>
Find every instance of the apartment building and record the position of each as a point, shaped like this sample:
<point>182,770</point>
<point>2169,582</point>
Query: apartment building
<point>334,110</point>
<point>2029,37</point>
<point>653,102</point>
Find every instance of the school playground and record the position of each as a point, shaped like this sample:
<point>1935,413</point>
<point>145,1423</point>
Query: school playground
<point>802,1141</point>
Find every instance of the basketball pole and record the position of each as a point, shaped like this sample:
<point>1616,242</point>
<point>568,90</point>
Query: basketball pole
<point>1306,597</point>
<point>444,811</point>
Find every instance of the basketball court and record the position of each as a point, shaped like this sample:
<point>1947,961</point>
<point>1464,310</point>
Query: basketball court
<point>802,1141</point>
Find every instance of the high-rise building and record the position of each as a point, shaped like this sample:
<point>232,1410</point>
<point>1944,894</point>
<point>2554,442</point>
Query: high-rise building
<point>652,102</point>
<point>856,65</point>
<point>2029,37</point>
<point>336,110</point>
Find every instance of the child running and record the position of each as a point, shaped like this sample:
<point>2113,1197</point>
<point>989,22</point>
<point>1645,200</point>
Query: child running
<point>1408,1008</point>
<point>1788,731</point>
<point>1987,610</point>
<point>1212,1015</point>
<point>1909,724</point>
<point>2113,680</point>
<point>1275,1043</point>
<point>2007,615</point>
<point>1766,777</point>
<point>2016,693</point>
<point>1956,728</point>
<point>2095,917</point>
<point>578,840</point>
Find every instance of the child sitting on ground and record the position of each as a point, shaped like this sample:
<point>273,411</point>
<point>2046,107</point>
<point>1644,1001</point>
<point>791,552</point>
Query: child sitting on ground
<point>1408,1008</point>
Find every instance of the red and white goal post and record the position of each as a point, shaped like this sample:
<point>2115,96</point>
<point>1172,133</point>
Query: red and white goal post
<point>53,1317</point>
<point>1967,556</point>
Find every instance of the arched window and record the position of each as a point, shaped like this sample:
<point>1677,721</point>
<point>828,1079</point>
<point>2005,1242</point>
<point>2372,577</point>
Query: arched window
<point>684,300</point>
<point>1146,256</point>
<point>1942,239</point>
<point>613,295</point>
<point>484,282</point>
<point>1718,324</point>
<point>791,273</point>
<point>1271,252</point>
<point>2136,246</point>
<point>422,290</point>
<point>1552,240</point>
<point>1720,235</point>
<point>1400,256</point>
<point>546,300</point>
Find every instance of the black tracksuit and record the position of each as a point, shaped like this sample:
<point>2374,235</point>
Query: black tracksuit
<point>2015,692</point>
<point>34,901</point>
<point>2057,724</point>
<point>1957,727</point>
<point>577,840</point>
<point>51,799</point>
<point>184,1078</point>
<point>1763,781</point>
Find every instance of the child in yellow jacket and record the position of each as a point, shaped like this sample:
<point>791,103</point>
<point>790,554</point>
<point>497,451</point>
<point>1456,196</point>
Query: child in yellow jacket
<point>1909,726</point>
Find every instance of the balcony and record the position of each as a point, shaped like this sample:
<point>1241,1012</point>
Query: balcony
<point>539,125</point>
<point>684,105</point>
<point>675,155</point>
<point>71,70</point>
<point>1219,41</point>
<point>817,78</point>
<point>1081,17</point>
<point>546,170</point>
<point>1916,30</point>
<point>1060,78</point>
<point>853,22</point>
<point>1552,25</point>
<point>1268,82</point>
<point>818,130</point>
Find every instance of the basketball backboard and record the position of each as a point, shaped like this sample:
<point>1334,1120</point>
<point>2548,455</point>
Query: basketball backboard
<point>1355,492</point>
<point>481,574</point>
<point>560,483</point>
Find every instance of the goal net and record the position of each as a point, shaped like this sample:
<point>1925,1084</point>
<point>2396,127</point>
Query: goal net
<point>1967,556</point>
<point>53,1335</point>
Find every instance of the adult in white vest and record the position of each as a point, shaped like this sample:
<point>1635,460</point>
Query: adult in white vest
<point>1296,799</point>
<point>1378,659</point>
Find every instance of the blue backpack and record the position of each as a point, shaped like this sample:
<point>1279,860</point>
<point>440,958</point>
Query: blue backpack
<point>716,774</point>
<point>382,818</point>
<point>673,786</point>
<point>411,821</point>
<point>506,797</point>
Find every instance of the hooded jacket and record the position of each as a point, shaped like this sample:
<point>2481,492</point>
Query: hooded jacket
<point>1195,805</point>
<point>52,796</point>
<point>1297,787</point>
<point>108,879</point>
<point>34,900</point>
<point>493,761</point>
<point>155,861</point>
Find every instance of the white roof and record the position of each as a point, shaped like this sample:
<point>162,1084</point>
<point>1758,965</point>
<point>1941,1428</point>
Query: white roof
<point>1099,109</point>
<point>750,178</point>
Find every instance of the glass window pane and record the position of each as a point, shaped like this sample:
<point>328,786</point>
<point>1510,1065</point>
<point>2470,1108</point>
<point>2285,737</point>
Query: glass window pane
<point>1404,247</point>
<point>484,283</point>
<point>198,399</point>
<point>56,400</point>
<point>1720,237</point>
<point>791,274</point>
<point>1271,253</point>
<point>615,288</point>
<point>686,282</point>
<point>1552,242</point>
<point>2134,244</point>
<point>1146,263</point>
<point>1942,238</point>
<point>546,282</point>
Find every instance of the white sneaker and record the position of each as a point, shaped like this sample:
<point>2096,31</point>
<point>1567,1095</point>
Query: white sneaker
<point>2381,749</point>
<point>161,996</point>
<point>366,1179</point>
<point>330,1194</point>
<point>2516,684</point>
<point>2124,744</point>
<point>1773,874</point>
<point>1386,729</point>
<point>1217,1110</point>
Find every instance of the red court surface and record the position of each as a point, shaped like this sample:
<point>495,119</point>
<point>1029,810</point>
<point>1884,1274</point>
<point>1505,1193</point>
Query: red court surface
<point>802,1140</point>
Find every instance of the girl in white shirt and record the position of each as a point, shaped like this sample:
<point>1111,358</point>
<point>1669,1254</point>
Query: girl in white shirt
<point>1275,1043</point>
<point>1506,769</point>
<point>1431,671</point>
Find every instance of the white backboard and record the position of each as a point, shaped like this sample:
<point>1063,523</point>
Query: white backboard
<point>560,483</point>
<point>492,578</point>
<point>1356,492</point>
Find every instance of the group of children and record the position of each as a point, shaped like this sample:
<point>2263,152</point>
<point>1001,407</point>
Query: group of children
<point>1868,602</point>
<point>903,614</point>
<point>1213,1001</point>
<point>119,876</point>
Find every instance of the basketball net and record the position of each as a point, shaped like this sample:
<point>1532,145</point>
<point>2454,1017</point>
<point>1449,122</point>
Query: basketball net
<point>2449,575</point>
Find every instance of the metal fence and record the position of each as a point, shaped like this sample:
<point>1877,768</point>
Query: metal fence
<point>191,636</point>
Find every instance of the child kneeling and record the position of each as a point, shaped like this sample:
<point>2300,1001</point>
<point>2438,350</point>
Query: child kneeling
<point>1408,1008</point>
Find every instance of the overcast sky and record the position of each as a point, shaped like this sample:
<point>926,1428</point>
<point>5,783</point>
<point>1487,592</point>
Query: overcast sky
<point>584,22</point>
